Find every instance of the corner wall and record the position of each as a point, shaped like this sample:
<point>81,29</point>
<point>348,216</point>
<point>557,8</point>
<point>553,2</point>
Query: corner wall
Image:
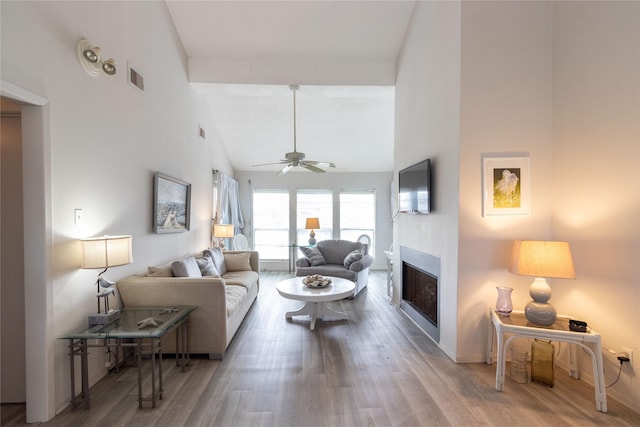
<point>505,110</point>
<point>596,169</point>
<point>107,140</point>
<point>427,125</point>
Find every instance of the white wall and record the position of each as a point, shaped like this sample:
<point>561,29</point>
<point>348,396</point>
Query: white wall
<point>107,140</point>
<point>335,181</point>
<point>505,109</point>
<point>427,126</point>
<point>596,170</point>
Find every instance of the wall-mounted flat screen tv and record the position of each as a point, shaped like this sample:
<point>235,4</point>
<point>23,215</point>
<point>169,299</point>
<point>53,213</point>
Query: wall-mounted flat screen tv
<point>414,193</point>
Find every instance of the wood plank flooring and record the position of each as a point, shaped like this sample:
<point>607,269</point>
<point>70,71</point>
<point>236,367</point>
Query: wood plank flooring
<point>374,369</point>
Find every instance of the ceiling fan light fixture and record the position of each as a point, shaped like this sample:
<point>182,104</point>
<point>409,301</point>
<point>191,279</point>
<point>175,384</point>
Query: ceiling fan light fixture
<point>295,158</point>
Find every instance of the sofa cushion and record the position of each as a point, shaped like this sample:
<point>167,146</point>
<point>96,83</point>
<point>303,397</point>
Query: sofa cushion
<point>235,295</point>
<point>314,255</point>
<point>237,261</point>
<point>164,270</point>
<point>352,257</point>
<point>218,259</point>
<point>206,266</point>
<point>186,267</point>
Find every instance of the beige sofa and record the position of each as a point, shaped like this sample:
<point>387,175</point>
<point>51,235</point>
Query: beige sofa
<point>222,302</point>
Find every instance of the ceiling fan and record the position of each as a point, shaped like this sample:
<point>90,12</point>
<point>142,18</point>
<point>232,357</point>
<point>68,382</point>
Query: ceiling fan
<point>296,158</point>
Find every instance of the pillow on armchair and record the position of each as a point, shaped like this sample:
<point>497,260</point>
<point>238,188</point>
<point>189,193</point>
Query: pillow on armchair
<point>314,256</point>
<point>352,257</point>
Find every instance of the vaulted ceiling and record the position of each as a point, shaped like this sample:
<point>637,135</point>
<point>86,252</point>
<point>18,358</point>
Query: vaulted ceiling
<point>243,55</point>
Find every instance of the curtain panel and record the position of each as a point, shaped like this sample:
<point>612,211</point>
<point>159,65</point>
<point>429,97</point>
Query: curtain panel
<point>226,201</point>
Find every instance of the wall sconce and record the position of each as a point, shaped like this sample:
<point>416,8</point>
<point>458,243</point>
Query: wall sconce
<point>89,57</point>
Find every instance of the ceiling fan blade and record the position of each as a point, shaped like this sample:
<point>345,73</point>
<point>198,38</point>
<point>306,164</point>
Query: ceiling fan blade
<point>312,168</point>
<point>323,164</point>
<point>285,169</point>
<point>281,162</point>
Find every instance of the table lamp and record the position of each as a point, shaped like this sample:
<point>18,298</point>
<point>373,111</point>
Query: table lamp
<point>105,252</point>
<point>541,259</point>
<point>312,224</point>
<point>223,231</point>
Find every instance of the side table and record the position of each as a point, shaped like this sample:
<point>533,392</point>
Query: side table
<point>517,325</point>
<point>125,332</point>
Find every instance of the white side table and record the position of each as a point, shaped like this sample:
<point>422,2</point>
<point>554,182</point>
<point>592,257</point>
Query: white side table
<point>516,325</point>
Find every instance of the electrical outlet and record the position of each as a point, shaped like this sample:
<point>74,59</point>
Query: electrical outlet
<point>628,353</point>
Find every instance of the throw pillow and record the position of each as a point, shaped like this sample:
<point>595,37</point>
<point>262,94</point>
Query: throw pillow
<point>314,256</point>
<point>238,261</point>
<point>206,266</point>
<point>352,257</point>
<point>218,259</point>
<point>186,267</point>
<point>164,270</point>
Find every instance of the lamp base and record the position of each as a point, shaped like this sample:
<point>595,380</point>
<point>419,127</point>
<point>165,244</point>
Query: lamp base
<point>104,318</point>
<point>540,313</point>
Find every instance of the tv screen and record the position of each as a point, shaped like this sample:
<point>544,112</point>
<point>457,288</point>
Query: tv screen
<point>414,194</point>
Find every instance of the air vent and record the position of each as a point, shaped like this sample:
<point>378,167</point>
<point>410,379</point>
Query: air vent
<point>136,79</point>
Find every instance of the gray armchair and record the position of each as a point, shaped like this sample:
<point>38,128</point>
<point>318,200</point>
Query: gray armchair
<point>334,262</point>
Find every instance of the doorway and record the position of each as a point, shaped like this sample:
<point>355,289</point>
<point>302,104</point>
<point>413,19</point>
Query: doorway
<point>12,370</point>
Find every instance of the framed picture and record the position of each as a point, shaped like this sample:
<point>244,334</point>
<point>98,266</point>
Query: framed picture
<point>506,186</point>
<point>171,204</point>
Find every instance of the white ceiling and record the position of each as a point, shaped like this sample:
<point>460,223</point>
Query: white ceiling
<point>349,124</point>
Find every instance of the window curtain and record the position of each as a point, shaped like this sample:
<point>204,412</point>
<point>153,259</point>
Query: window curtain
<point>226,200</point>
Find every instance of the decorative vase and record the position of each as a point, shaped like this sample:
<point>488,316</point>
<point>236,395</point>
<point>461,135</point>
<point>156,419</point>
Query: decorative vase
<point>503,304</point>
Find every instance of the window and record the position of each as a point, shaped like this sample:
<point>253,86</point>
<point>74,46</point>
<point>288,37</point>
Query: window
<point>318,204</point>
<point>271,223</point>
<point>358,215</point>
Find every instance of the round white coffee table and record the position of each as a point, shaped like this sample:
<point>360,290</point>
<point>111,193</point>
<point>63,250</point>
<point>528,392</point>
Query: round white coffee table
<point>316,299</point>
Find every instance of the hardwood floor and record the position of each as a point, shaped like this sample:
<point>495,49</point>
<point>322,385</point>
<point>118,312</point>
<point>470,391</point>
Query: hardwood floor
<point>375,369</point>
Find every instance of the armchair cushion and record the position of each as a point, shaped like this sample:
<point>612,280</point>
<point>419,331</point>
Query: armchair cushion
<point>361,264</point>
<point>352,257</point>
<point>314,256</point>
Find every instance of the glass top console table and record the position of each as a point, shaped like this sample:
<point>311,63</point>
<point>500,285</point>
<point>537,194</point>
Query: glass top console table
<point>517,326</point>
<point>141,328</point>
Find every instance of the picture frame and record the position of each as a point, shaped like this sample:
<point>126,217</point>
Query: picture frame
<point>171,204</point>
<point>506,186</point>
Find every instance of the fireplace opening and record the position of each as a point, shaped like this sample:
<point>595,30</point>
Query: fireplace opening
<point>420,291</point>
<point>420,299</point>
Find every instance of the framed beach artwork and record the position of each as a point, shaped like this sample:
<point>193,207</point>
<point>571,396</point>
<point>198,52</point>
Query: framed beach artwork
<point>171,204</point>
<point>506,186</point>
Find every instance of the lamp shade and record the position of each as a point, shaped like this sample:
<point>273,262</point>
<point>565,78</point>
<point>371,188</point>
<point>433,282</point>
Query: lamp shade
<point>312,224</point>
<point>106,251</point>
<point>539,258</point>
<point>223,230</point>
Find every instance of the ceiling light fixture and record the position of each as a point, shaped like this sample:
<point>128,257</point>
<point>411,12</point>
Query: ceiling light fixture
<point>295,158</point>
<point>89,57</point>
